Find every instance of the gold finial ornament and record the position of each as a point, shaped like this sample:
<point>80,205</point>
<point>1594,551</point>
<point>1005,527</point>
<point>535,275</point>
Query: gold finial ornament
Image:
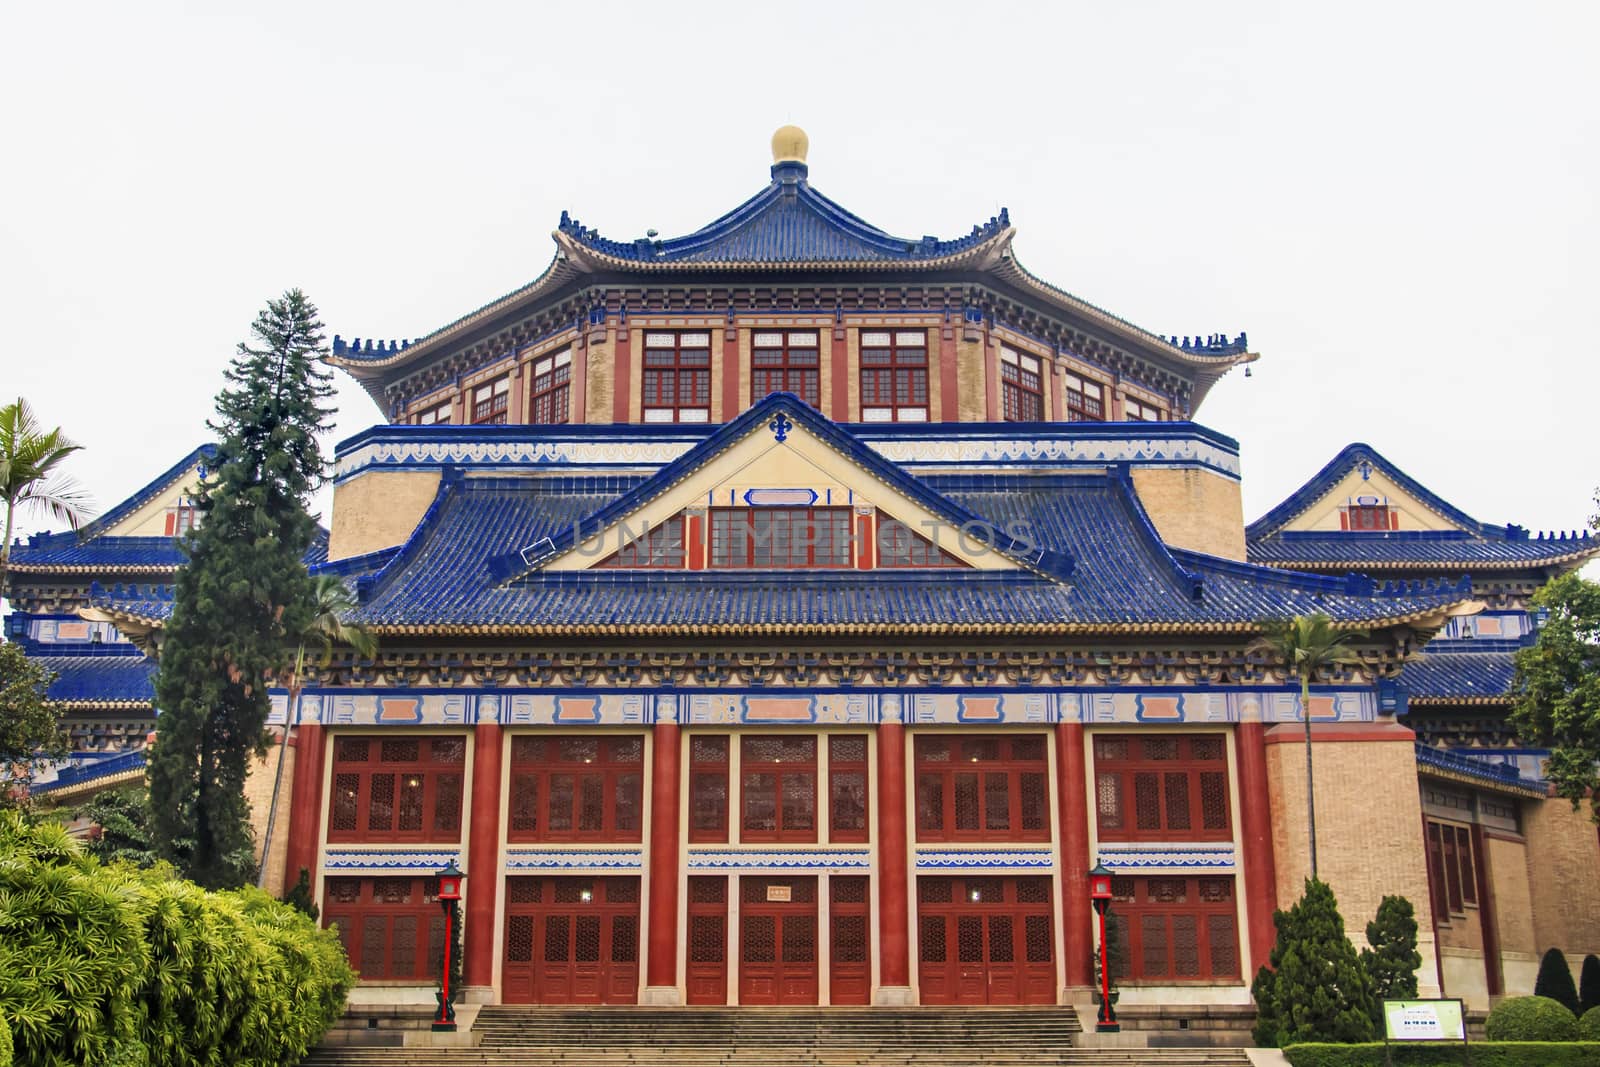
<point>789,145</point>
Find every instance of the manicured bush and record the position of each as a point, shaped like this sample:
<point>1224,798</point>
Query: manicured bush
<point>1392,960</point>
<point>1531,1019</point>
<point>1555,980</point>
<point>1589,985</point>
<point>1484,1054</point>
<point>1315,988</point>
<point>1589,1025</point>
<point>137,968</point>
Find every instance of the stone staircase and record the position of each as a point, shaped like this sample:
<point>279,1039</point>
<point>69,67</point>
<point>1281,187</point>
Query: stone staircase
<point>773,1037</point>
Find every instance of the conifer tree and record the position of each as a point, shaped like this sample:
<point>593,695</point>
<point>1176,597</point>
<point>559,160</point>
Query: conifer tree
<point>241,596</point>
<point>1315,988</point>
<point>1392,961</point>
<point>1589,984</point>
<point>1555,980</point>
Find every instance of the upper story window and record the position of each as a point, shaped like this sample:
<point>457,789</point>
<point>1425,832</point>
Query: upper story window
<point>894,376</point>
<point>578,788</point>
<point>780,538</point>
<point>778,788</point>
<point>438,414</point>
<point>677,377</point>
<point>1367,513</point>
<point>708,788</point>
<point>787,361</point>
<point>182,517</point>
<point>490,402</point>
<point>1452,874</point>
<point>1086,398</point>
<point>847,787</point>
<point>1162,788</point>
<point>1138,411</point>
<point>396,789</point>
<point>549,390</point>
<point>1021,389</point>
<point>981,788</point>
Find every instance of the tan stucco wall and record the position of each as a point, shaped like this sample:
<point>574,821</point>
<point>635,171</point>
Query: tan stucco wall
<point>1563,877</point>
<point>1369,829</point>
<point>1194,509</point>
<point>378,509</point>
<point>600,384</point>
<point>970,380</point>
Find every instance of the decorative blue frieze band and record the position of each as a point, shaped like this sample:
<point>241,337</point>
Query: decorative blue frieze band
<point>606,448</point>
<point>734,859</point>
<point>864,707</point>
<point>570,859</point>
<point>1147,857</point>
<point>1041,859</point>
<point>380,860</point>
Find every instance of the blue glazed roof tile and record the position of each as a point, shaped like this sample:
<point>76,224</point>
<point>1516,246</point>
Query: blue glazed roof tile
<point>122,679</point>
<point>1444,677</point>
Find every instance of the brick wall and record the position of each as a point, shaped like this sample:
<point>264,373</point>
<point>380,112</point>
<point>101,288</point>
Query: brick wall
<point>258,791</point>
<point>1563,857</point>
<point>1194,509</point>
<point>378,509</point>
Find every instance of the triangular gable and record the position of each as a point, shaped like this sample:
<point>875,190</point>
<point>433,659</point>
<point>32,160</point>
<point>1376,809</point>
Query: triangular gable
<point>147,512</point>
<point>783,452</point>
<point>1360,477</point>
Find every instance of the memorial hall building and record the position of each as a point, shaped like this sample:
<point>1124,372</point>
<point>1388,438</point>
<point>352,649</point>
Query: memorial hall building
<point>793,613</point>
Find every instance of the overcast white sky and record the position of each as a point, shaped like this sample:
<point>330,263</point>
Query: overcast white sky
<point>1396,200</point>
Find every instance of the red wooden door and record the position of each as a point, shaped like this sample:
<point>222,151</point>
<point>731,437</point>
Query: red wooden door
<point>985,940</point>
<point>572,941</point>
<point>708,940</point>
<point>849,942</point>
<point>778,940</point>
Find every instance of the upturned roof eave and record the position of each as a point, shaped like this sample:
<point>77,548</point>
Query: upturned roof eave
<point>1463,565</point>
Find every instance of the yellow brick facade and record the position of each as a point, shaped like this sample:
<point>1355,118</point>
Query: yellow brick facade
<point>1563,872</point>
<point>1194,509</point>
<point>378,509</point>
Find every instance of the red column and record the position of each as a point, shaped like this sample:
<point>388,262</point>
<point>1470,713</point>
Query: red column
<point>621,387</point>
<point>949,387</point>
<point>894,937</point>
<point>1077,915</point>
<point>840,373</point>
<point>578,408</point>
<point>730,376</point>
<point>991,379</point>
<point>483,858</point>
<point>662,919</point>
<point>1255,836</point>
<point>305,805</point>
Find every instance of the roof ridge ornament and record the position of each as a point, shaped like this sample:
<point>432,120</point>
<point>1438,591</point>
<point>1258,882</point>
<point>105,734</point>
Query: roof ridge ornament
<point>789,147</point>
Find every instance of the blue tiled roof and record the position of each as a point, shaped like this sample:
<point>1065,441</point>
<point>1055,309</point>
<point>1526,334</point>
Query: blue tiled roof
<point>118,679</point>
<point>787,222</point>
<point>1484,769</point>
<point>1440,677</point>
<point>153,601</point>
<point>83,770</point>
<point>1475,545</point>
<point>44,551</point>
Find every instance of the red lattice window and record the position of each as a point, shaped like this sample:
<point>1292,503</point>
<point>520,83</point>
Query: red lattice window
<point>182,517</point>
<point>1452,870</point>
<point>577,788</point>
<point>786,361</point>
<point>392,928</point>
<point>677,377</point>
<point>780,538</point>
<point>1162,788</point>
<point>778,788</point>
<point>659,547</point>
<point>1361,515</point>
<point>440,414</point>
<point>490,402</point>
<point>982,788</point>
<point>1176,929</point>
<point>397,788</point>
<point>894,376</point>
<point>1138,411</point>
<point>1086,398</point>
<point>708,788</point>
<point>847,788</point>
<point>1021,388</point>
<point>550,389</point>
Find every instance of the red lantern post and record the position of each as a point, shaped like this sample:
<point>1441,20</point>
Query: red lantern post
<point>1100,896</point>
<point>449,894</point>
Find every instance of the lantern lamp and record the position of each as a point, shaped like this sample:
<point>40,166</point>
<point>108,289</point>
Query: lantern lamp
<point>449,896</point>
<point>1100,896</point>
<point>450,882</point>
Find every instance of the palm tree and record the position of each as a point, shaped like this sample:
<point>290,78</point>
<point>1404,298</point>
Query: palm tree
<point>29,457</point>
<point>1306,645</point>
<point>331,601</point>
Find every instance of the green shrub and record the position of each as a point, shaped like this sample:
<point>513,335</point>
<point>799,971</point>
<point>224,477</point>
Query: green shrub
<point>1555,981</point>
<point>127,967</point>
<point>1589,1025</point>
<point>1484,1054</point>
<point>5,1043</point>
<point>1531,1019</point>
<point>1589,984</point>
<point>1392,961</point>
<point>1315,988</point>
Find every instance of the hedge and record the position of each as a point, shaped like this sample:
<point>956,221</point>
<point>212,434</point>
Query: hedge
<point>1484,1054</point>
<point>1589,1025</point>
<point>5,1043</point>
<point>111,964</point>
<point>1530,1019</point>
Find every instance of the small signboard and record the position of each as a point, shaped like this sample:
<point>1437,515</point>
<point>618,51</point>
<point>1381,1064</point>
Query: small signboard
<point>1424,1020</point>
<point>779,894</point>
